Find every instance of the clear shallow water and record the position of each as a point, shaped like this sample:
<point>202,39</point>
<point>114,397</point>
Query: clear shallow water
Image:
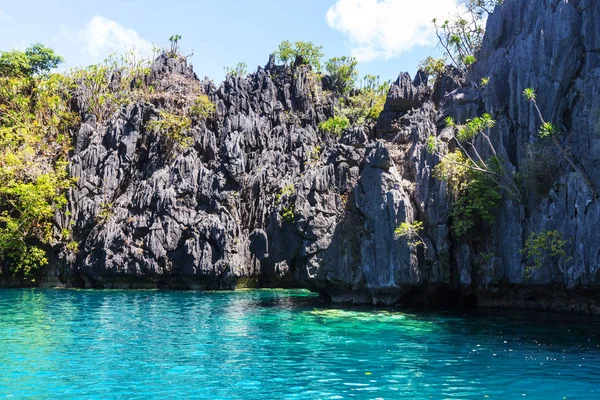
<point>282,345</point>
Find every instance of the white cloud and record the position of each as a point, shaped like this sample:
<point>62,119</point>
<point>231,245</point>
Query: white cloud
<point>101,37</point>
<point>387,28</point>
<point>4,17</point>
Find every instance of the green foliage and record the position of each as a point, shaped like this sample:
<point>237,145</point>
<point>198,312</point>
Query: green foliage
<point>285,52</point>
<point>461,36</point>
<point>360,108</point>
<point>42,59</point>
<point>32,183</point>
<point>476,199</point>
<point>432,144</point>
<point>474,182</point>
<point>35,130</point>
<point>476,194</point>
<point>112,84</point>
<point>484,81</point>
<point>373,84</point>
<point>529,94</point>
<point>343,74</point>
<point>434,67</point>
<point>285,192</point>
<point>175,130</point>
<point>344,200</point>
<point>376,108</point>
<point>102,101</point>
<point>72,247</point>
<point>411,231</point>
<point>469,60</point>
<point>539,247</point>
<point>335,125</point>
<point>474,127</point>
<point>366,103</point>
<point>313,156</point>
<point>483,6</point>
<point>288,214</point>
<point>465,136</point>
<point>454,168</point>
<point>105,213</point>
<point>287,210</point>
<point>449,122</point>
<point>240,69</point>
<point>203,108</point>
<point>28,207</point>
<point>303,53</point>
<point>14,64</point>
<point>548,130</point>
<point>37,59</point>
<point>174,51</point>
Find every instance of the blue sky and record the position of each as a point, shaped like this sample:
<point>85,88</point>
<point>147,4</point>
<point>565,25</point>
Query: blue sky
<point>387,36</point>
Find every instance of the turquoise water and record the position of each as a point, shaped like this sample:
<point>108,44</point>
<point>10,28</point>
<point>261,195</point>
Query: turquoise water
<point>281,345</point>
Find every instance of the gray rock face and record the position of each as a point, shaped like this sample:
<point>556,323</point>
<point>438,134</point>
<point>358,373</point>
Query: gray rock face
<point>551,47</point>
<point>222,214</point>
<point>195,221</point>
<point>403,96</point>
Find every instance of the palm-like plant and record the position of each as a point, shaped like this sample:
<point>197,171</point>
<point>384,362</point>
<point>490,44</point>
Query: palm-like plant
<point>466,136</point>
<point>487,121</point>
<point>174,39</point>
<point>550,131</point>
<point>529,94</point>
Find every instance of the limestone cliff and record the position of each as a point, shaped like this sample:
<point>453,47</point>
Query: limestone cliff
<point>217,215</point>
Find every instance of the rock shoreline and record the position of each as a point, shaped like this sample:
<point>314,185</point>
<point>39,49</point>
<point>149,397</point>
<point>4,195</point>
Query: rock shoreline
<point>212,218</point>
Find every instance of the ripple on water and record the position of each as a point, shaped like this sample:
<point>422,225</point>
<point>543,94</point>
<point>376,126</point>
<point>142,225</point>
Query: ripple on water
<point>281,344</point>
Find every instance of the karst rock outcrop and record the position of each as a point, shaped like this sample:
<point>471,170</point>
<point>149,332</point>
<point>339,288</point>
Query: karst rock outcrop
<point>264,199</point>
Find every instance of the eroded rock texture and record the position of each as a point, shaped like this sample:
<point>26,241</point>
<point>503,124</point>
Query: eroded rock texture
<point>217,217</point>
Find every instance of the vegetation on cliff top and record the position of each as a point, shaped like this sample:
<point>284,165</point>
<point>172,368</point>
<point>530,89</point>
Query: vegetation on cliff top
<point>360,101</point>
<point>239,70</point>
<point>461,37</point>
<point>37,124</point>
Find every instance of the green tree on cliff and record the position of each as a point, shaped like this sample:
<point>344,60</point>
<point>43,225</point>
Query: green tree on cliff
<point>35,131</point>
<point>342,72</point>
<point>36,60</point>
<point>303,53</point>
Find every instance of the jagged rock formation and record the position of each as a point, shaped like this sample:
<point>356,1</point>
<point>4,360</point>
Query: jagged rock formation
<point>144,220</point>
<point>217,217</point>
<point>553,47</point>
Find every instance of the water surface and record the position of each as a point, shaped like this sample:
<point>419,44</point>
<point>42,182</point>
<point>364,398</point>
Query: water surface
<point>282,345</point>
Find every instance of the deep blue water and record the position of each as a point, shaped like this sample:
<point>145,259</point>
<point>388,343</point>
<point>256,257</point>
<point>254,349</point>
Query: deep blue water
<point>282,345</point>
